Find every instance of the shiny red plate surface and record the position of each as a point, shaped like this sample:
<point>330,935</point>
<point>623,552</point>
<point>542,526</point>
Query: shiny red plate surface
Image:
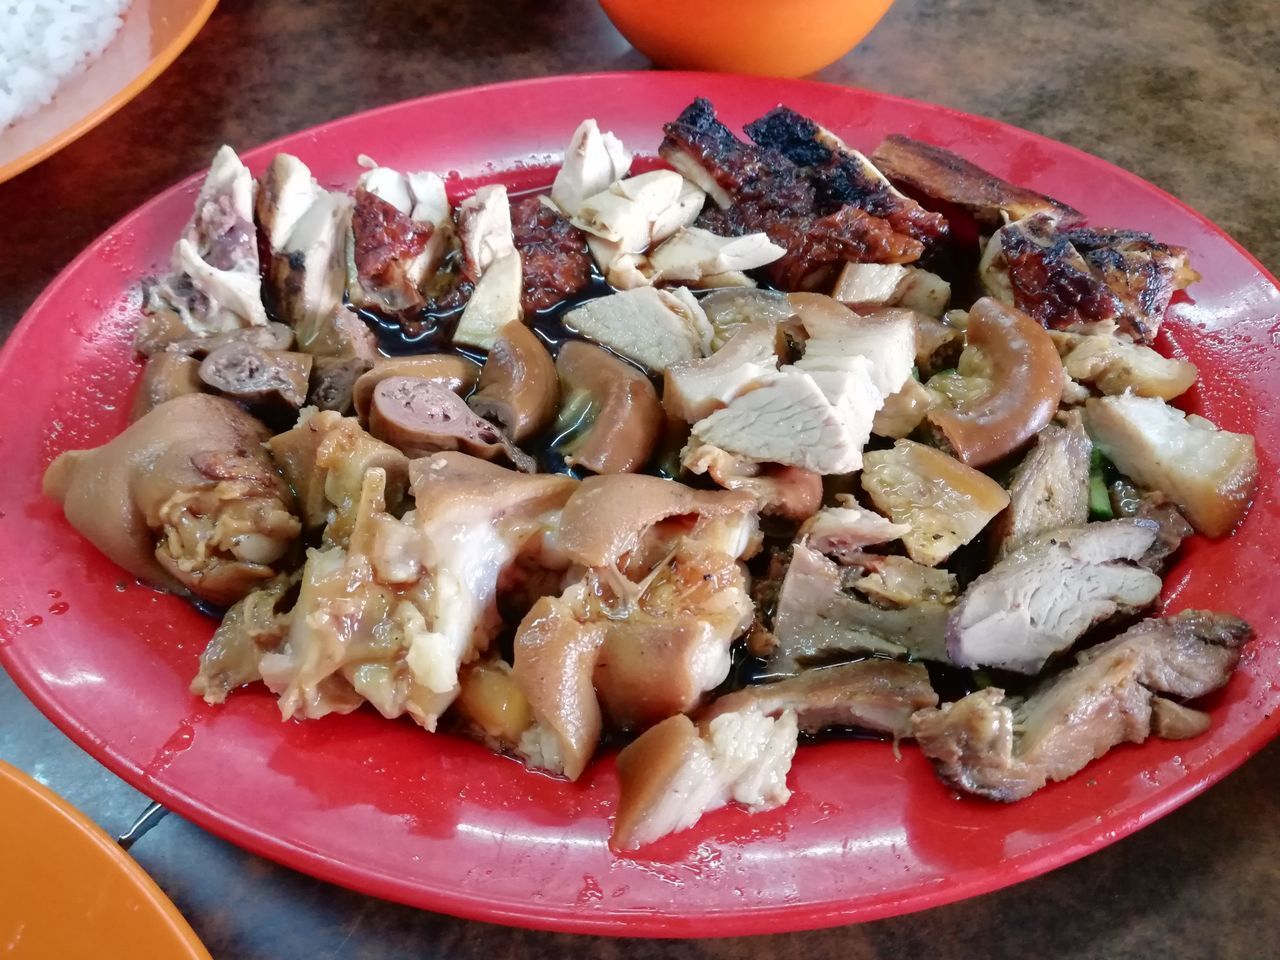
<point>441,823</point>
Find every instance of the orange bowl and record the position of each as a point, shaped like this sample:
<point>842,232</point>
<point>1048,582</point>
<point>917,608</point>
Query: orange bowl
<point>780,38</point>
<point>153,35</point>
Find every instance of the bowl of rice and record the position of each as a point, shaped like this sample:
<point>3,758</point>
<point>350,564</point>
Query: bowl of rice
<point>67,65</point>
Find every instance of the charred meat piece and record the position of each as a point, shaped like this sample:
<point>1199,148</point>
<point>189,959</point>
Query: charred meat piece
<point>1007,751</point>
<point>1050,488</point>
<point>553,253</point>
<point>842,176</point>
<point>1044,595</point>
<point>942,175</point>
<point>387,241</point>
<point>873,694</point>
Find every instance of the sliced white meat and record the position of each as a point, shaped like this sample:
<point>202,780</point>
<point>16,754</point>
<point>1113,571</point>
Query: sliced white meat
<point>694,389</point>
<point>592,162</point>
<point>692,254</point>
<point>484,228</point>
<point>494,303</point>
<point>285,192</point>
<point>886,338</point>
<point>654,328</point>
<point>309,274</point>
<point>871,285</point>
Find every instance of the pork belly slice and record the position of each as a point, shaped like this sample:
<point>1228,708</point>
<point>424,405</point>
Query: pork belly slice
<point>876,694</point>
<point>214,284</point>
<point>653,328</point>
<point>1044,595</point>
<point>1114,364</point>
<point>1006,750</point>
<point>841,176</point>
<point>592,161</point>
<point>1209,473</point>
<point>674,773</point>
<point>1050,487</point>
<point>694,389</point>
<point>939,174</point>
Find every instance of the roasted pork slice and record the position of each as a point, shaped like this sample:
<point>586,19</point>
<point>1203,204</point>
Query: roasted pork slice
<point>1209,473</point>
<point>555,656</point>
<point>1043,596</point>
<point>593,161</point>
<point>654,328</point>
<point>945,503</point>
<point>694,389</point>
<point>1006,751</point>
<point>324,459</point>
<point>554,259</point>
<point>842,532</point>
<point>703,149</point>
<point>1050,487</point>
<point>400,234</point>
<point>789,492</point>
<point>1114,364</point>
<point>611,418</point>
<point>494,303</point>
<point>673,773</point>
<point>867,286</point>
<point>697,256</point>
<point>841,176</point>
<point>815,617</point>
<point>308,276</point>
<point>939,174</point>
<point>185,498</point>
<point>214,284</point>
<point>873,694</point>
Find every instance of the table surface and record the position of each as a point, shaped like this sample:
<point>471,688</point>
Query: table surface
<point>1186,93</point>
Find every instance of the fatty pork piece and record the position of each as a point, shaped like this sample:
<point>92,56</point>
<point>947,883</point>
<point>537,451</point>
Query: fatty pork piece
<point>834,336</point>
<point>1050,487</point>
<point>945,503</point>
<point>1064,277</point>
<point>843,531</point>
<point>254,625</point>
<point>554,260</point>
<point>694,389</point>
<point>1114,364</point>
<point>675,772</point>
<point>866,286</point>
<point>1209,473</point>
<point>593,160</point>
<point>875,694</point>
<point>420,417</point>
<point>477,523</point>
<point>654,328</point>
<point>214,284</point>
<point>185,498</point>
<point>939,174</point>
<point>841,175</point>
<point>400,232</point>
<point>789,492</point>
<point>1043,596</point>
<point>816,617</point>
<point>647,216</point>
<point>324,458</point>
<point>662,571</point>
<point>1008,750</point>
<point>757,190</point>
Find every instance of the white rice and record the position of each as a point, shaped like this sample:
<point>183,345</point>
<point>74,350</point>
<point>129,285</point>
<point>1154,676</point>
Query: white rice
<point>43,42</point>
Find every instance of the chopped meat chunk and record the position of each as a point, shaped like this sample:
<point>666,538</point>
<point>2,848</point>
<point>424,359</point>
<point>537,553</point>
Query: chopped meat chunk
<point>553,254</point>
<point>1007,751</point>
<point>694,389</point>
<point>1050,487</point>
<point>870,285</point>
<point>1115,364</point>
<point>592,161</point>
<point>654,328</point>
<point>843,531</point>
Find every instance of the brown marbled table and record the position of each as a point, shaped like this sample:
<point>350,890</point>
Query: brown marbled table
<point>1184,92</point>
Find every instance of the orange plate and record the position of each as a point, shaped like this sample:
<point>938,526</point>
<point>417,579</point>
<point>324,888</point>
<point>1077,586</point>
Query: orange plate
<point>154,33</point>
<point>67,890</point>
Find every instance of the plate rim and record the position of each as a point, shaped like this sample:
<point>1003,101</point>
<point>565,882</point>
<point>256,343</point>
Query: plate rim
<point>527,914</point>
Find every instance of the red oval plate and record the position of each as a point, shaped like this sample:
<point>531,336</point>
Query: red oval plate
<point>439,822</point>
